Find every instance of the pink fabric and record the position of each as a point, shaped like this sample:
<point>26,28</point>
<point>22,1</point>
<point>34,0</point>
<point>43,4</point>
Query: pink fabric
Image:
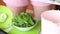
<point>16,2</point>
<point>37,3</point>
<point>53,15</point>
<point>50,22</point>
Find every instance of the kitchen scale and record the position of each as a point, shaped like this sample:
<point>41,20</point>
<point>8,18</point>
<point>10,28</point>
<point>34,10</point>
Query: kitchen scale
<point>8,14</point>
<point>35,30</point>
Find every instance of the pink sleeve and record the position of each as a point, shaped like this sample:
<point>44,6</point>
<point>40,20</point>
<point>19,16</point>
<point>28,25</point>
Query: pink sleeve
<point>16,2</point>
<point>37,3</point>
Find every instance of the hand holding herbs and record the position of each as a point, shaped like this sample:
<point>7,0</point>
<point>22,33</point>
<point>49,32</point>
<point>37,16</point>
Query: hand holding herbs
<point>24,20</point>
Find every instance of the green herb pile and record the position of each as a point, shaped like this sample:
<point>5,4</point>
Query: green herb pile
<point>24,20</point>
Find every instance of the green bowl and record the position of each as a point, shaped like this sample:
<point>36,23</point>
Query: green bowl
<point>5,17</point>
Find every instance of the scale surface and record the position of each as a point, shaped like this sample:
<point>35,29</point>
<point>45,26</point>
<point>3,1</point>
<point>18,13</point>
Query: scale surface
<point>35,30</point>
